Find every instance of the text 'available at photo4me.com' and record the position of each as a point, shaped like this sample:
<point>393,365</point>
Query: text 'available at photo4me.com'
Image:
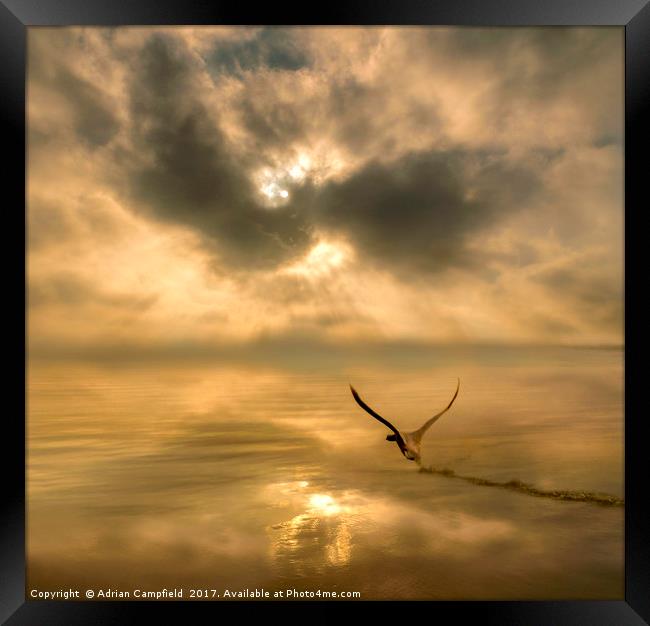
<point>189,594</point>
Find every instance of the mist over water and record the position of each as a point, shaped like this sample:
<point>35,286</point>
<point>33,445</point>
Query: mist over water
<point>230,476</point>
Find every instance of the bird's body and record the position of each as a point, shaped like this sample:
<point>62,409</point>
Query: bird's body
<point>408,443</point>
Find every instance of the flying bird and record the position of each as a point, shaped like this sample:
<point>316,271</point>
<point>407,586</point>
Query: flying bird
<point>409,443</point>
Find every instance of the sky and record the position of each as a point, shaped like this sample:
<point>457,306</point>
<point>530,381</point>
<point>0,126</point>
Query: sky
<point>199,190</point>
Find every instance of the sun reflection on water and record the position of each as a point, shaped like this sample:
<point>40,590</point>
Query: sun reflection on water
<point>319,537</point>
<point>324,504</point>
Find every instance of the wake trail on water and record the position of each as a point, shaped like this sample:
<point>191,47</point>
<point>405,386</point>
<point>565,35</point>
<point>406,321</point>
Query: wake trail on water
<point>603,499</point>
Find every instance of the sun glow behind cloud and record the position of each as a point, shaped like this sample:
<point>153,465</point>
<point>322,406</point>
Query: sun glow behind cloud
<point>323,259</point>
<point>273,183</point>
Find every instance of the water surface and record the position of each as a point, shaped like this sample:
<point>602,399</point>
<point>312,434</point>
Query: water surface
<point>234,476</point>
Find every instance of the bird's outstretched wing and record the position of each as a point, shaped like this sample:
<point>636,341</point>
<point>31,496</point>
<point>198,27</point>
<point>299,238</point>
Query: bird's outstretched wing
<point>417,435</point>
<point>365,407</point>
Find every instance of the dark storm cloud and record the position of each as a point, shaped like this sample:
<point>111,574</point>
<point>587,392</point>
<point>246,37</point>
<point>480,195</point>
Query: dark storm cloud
<point>272,48</point>
<point>417,212</point>
<point>414,213</point>
<point>191,176</point>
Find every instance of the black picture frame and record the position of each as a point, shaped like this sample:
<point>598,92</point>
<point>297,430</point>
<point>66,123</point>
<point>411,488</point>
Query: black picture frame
<point>17,15</point>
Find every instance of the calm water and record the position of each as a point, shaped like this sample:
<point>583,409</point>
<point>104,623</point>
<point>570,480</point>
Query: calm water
<point>233,477</point>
